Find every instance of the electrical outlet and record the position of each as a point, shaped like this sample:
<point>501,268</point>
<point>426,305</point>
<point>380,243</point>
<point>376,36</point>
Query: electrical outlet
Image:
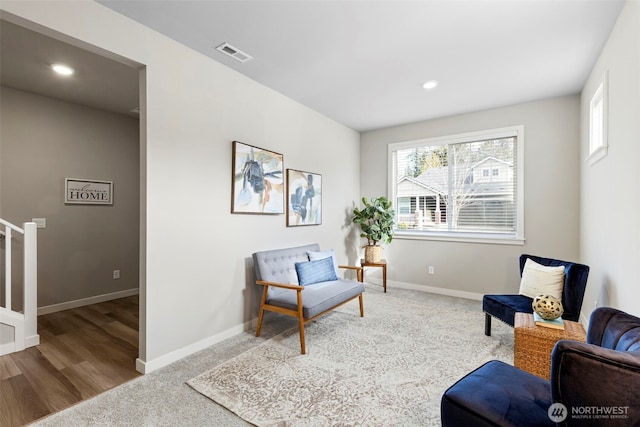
<point>431,270</point>
<point>595,304</point>
<point>116,274</point>
<point>40,222</point>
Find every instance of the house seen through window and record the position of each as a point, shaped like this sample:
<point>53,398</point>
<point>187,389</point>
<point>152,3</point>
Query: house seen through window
<point>459,187</point>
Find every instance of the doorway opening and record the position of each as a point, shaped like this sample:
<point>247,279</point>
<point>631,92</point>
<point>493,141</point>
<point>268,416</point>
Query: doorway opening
<point>91,278</point>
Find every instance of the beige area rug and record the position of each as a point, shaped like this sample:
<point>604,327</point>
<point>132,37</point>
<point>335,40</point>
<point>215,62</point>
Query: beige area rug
<point>389,368</point>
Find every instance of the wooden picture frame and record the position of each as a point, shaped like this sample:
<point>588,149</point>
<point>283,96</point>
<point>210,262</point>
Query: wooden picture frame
<point>257,185</point>
<point>304,198</point>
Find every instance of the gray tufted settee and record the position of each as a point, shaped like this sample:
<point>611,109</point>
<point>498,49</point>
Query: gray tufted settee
<point>303,282</point>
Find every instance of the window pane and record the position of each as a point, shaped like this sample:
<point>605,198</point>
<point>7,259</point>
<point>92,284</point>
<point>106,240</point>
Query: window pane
<point>462,187</point>
<point>598,126</point>
<point>597,120</point>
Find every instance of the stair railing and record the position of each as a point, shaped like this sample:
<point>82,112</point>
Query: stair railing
<point>25,322</point>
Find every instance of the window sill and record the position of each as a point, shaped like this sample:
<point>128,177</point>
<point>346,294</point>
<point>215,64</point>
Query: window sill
<point>598,153</point>
<point>493,239</point>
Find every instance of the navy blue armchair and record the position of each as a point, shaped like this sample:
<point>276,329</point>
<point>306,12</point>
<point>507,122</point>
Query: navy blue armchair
<point>596,383</point>
<point>505,307</point>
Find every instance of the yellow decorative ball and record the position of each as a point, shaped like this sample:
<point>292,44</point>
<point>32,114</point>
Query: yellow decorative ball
<point>547,306</point>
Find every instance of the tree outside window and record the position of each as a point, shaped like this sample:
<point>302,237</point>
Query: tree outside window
<point>468,187</point>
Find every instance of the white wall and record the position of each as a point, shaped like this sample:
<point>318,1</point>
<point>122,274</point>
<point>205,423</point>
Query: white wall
<point>43,141</point>
<point>197,258</point>
<point>198,279</point>
<point>551,199</point>
<point>610,196</point>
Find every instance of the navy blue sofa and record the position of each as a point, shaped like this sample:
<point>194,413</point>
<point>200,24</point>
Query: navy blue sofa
<point>596,383</point>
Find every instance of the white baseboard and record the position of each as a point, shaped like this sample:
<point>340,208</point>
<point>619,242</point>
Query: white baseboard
<point>7,348</point>
<point>430,289</point>
<point>584,321</point>
<point>32,341</point>
<point>10,347</point>
<point>145,367</point>
<point>86,301</point>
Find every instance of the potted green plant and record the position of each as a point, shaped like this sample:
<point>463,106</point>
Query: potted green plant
<point>376,223</point>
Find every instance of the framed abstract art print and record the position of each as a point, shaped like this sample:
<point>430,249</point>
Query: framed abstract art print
<point>258,180</point>
<point>304,198</point>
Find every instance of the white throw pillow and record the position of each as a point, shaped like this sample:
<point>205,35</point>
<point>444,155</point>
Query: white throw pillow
<point>315,256</point>
<point>541,280</point>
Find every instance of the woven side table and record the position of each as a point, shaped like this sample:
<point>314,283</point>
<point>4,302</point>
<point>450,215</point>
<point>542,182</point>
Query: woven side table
<point>532,344</point>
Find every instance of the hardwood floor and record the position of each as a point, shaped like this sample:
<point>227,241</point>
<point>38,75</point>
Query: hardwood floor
<point>82,352</point>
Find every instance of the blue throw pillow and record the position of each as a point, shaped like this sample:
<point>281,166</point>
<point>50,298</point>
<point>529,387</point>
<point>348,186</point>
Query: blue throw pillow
<point>314,256</point>
<point>315,271</point>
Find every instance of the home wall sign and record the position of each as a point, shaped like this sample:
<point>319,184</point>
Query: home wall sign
<point>88,192</point>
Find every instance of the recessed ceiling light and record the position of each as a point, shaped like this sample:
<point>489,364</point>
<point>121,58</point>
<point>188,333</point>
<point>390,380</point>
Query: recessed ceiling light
<point>62,69</point>
<point>430,84</point>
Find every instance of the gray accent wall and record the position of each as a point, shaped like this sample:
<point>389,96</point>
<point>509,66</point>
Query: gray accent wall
<point>610,196</point>
<point>551,188</point>
<point>44,141</point>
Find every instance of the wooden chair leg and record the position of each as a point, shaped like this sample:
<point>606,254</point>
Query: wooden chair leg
<point>260,317</point>
<point>361,306</point>
<point>303,349</point>
<point>487,324</point>
<point>261,314</point>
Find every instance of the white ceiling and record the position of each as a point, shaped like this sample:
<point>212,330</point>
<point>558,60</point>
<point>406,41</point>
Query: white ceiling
<point>26,57</point>
<point>363,63</point>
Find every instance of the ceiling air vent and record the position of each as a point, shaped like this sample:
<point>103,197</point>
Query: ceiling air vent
<point>236,54</point>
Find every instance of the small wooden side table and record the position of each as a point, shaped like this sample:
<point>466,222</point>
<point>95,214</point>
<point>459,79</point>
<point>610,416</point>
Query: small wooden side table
<point>382,264</point>
<point>532,345</point>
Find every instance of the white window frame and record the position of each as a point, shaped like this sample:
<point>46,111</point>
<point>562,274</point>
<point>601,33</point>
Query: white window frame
<point>491,238</point>
<point>598,121</point>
